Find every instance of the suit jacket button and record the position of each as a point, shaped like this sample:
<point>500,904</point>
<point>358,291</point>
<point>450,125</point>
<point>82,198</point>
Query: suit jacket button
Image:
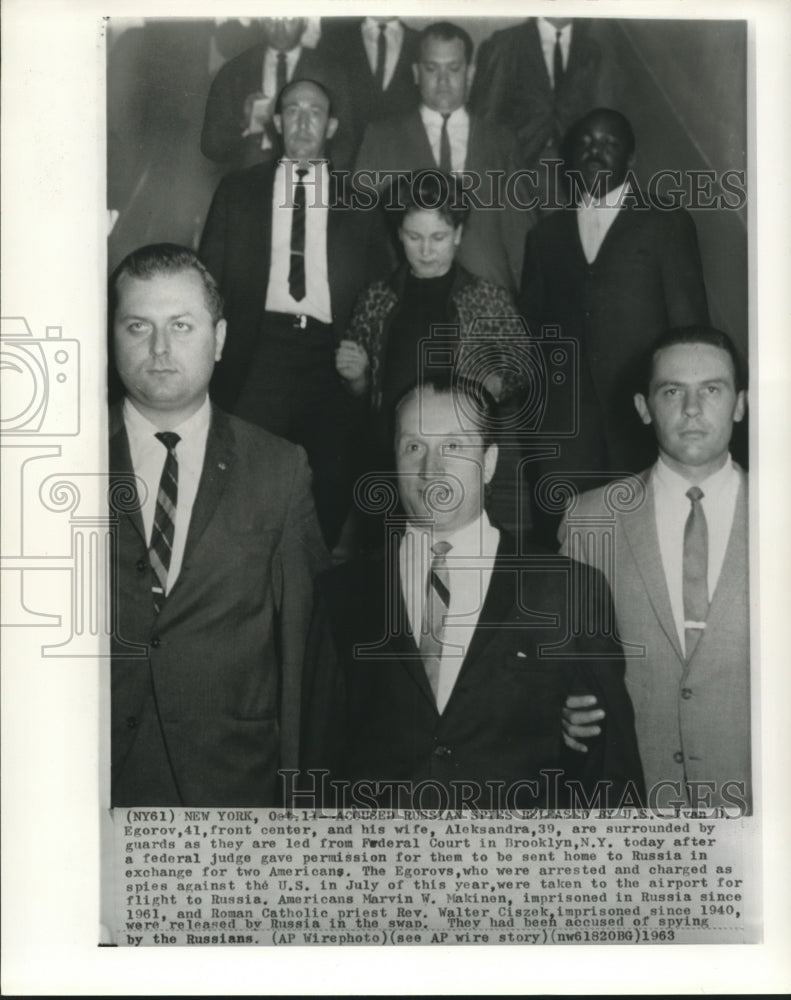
<point>131,722</point>
<point>142,565</point>
<point>156,642</point>
<point>686,693</point>
<point>678,757</point>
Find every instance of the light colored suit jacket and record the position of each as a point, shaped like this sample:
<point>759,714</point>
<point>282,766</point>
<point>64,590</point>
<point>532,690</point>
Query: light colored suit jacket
<point>692,718</point>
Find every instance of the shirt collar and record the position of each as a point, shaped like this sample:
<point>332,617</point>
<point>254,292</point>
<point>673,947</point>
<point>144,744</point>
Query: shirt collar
<point>549,32</point>
<point>371,27</point>
<point>670,481</point>
<point>468,540</point>
<point>141,427</point>
<point>611,199</point>
<point>458,116</point>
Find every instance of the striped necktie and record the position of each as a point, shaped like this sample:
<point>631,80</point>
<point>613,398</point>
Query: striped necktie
<point>696,568</point>
<point>161,546</point>
<point>435,609</point>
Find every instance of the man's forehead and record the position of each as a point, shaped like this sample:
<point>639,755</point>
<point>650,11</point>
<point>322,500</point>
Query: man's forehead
<point>305,94</point>
<point>183,287</point>
<point>605,125</point>
<point>442,50</point>
<point>437,414</point>
<point>692,361</point>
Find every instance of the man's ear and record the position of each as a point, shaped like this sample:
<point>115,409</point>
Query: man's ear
<point>741,406</point>
<point>641,406</point>
<point>278,122</point>
<point>332,127</point>
<point>489,462</point>
<point>219,338</point>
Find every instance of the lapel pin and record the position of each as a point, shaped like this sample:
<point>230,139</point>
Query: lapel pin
<point>222,465</point>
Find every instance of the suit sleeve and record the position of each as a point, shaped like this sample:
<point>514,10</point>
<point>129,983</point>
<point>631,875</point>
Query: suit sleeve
<point>531,287</point>
<point>212,244</point>
<point>221,138</point>
<point>481,99</point>
<point>300,556</point>
<point>613,757</point>
<point>682,272</point>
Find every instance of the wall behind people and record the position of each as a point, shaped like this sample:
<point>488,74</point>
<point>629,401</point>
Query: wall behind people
<point>682,84</point>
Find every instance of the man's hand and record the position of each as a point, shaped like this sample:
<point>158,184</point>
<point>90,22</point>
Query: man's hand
<point>580,716</point>
<point>256,113</point>
<point>351,363</point>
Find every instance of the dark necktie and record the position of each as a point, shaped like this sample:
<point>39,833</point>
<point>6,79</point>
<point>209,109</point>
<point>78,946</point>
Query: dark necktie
<point>281,72</point>
<point>161,546</point>
<point>381,55</point>
<point>296,271</point>
<point>557,64</point>
<point>435,608</point>
<point>696,568</point>
<point>444,145</point>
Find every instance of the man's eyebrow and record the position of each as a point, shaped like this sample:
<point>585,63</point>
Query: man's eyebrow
<point>719,379</point>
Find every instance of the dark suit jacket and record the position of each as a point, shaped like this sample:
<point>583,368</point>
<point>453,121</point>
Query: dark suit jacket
<point>493,240</point>
<point>512,86</point>
<point>206,694</point>
<point>341,38</point>
<point>236,247</point>
<point>503,719</point>
<point>223,122</point>
<point>646,278</point>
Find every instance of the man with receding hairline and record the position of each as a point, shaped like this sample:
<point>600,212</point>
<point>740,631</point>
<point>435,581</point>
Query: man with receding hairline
<point>214,559</point>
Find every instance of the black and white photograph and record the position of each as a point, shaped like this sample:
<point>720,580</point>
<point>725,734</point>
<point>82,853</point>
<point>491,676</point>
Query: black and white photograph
<point>393,462</point>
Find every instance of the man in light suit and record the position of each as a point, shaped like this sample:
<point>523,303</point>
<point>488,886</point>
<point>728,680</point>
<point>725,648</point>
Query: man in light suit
<point>238,127</point>
<point>682,608</point>
<point>216,548</point>
<point>278,368</point>
<point>611,272</point>
<point>442,133</point>
<point>437,672</point>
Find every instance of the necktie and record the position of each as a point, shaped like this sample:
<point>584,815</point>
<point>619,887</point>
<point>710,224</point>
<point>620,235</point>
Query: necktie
<point>557,64</point>
<point>296,272</point>
<point>164,518</point>
<point>444,145</point>
<point>435,608</point>
<point>281,73</point>
<point>381,55</point>
<point>696,560</point>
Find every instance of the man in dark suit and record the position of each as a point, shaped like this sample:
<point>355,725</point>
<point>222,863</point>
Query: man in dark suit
<point>436,674</point>
<point>537,78</point>
<point>441,133</point>
<point>238,130</point>
<point>290,264</point>
<point>377,54</point>
<point>611,272</point>
<point>216,548</point>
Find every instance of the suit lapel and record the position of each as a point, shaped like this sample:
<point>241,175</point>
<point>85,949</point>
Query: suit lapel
<point>731,583</point>
<point>217,467</point>
<point>122,477</point>
<point>535,57</point>
<point>415,137</point>
<point>639,527</point>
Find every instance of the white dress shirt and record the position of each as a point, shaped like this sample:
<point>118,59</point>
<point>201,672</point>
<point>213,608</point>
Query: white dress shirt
<point>269,76</point>
<point>720,491</point>
<point>595,216</point>
<point>470,562</point>
<point>458,134</point>
<point>548,33</point>
<point>394,39</point>
<point>148,460</point>
<point>317,197</point>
